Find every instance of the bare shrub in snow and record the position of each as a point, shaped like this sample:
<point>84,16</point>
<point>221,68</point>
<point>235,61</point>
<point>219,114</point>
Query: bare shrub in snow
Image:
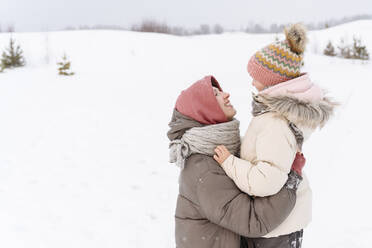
<point>355,51</point>
<point>217,29</point>
<point>152,26</point>
<point>205,29</point>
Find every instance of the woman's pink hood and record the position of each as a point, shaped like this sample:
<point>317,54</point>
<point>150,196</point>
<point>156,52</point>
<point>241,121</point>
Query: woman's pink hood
<point>199,102</point>
<point>301,88</point>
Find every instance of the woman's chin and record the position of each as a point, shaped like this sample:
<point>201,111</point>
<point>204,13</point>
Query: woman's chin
<point>231,115</point>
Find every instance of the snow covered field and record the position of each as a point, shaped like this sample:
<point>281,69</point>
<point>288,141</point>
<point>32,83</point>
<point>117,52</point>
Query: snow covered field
<point>84,159</point>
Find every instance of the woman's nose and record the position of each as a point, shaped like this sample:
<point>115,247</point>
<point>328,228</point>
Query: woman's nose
<point>226,95</point>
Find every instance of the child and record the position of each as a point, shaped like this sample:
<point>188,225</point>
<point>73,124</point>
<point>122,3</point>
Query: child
<point>287,109</point>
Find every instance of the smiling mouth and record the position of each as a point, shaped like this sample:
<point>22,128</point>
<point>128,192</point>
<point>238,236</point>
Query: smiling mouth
<point>228,104</point>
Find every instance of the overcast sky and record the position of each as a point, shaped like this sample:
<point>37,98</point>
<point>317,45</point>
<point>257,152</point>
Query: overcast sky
<point>37,15</point>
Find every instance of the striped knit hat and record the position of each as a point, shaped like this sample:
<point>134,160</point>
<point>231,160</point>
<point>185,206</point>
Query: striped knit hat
<point>280,61</point>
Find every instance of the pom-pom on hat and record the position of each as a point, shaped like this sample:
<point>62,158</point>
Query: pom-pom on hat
<point>281,60</point>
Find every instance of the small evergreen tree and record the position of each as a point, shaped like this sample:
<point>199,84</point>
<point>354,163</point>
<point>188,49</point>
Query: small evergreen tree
<point>345,50</point>
<point>12,56</point>
<point>329,50</point>
<point>64,67</point>
<point>359,51</point>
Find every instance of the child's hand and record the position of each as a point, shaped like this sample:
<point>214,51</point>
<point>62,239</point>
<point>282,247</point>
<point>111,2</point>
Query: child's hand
<point>221,154</point>
<point>299,163</point>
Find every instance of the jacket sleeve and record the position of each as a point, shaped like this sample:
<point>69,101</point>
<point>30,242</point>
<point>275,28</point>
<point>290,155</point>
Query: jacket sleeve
<point>225,205</point>
<point>266,175</point>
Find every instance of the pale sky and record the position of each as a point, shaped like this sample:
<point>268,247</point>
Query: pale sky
<point>38,15</point>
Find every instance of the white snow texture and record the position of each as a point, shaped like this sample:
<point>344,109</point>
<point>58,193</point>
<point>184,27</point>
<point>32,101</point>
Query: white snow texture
<point>84,159</point>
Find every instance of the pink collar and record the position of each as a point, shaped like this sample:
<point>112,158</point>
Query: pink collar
<point>301,88</point>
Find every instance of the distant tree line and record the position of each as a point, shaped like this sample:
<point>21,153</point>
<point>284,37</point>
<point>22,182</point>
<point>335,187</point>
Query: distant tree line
<point>274,28</point>
<point>154,26</point>
<point>163,27</point>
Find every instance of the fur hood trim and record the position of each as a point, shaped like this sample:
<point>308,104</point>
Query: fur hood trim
<point>301,113</point>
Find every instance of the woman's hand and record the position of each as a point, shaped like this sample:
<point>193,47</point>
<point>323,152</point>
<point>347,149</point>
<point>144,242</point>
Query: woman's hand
<point>221,154</point>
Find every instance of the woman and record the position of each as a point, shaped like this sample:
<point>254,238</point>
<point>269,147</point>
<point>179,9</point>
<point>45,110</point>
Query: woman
<point>211,211</point>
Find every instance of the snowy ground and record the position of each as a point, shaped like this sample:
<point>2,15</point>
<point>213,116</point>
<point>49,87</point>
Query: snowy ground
<point>84,159</point>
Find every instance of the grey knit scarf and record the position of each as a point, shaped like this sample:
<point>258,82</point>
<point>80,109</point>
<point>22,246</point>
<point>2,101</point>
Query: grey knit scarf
<point>259,108</point>
<point>204,140</point>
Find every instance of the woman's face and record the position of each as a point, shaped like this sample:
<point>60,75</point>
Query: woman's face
<point>258,85</point>
<point>224,103</point>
